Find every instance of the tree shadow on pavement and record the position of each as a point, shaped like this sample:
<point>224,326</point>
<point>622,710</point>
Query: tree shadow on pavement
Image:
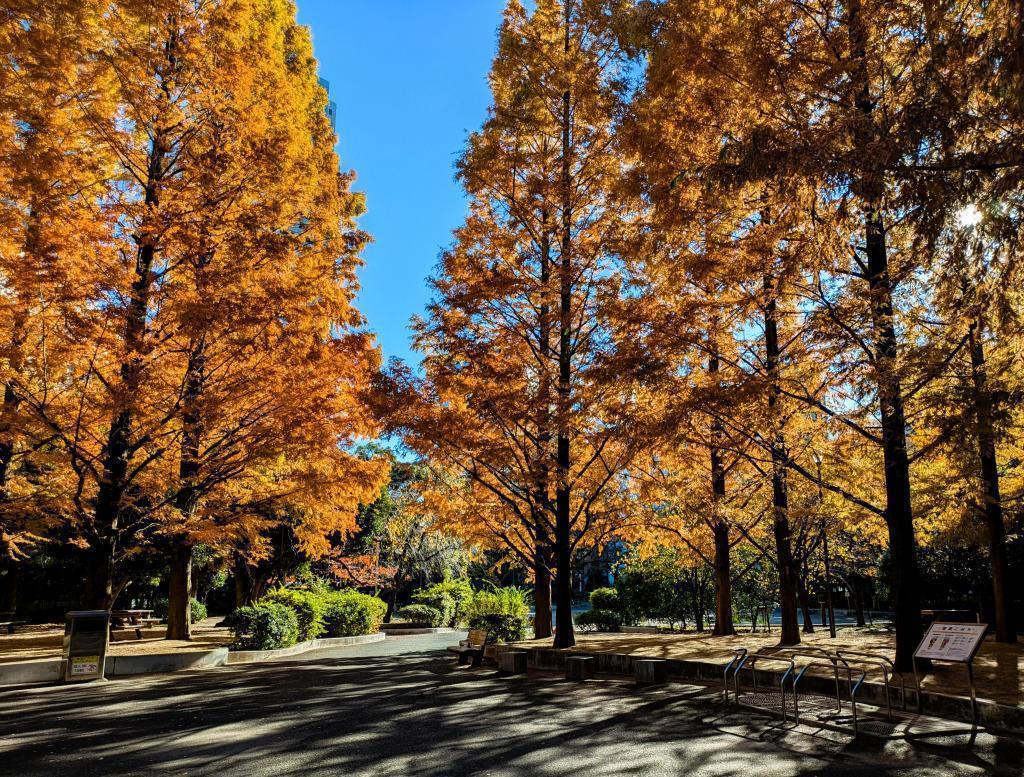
<point>417,715</point>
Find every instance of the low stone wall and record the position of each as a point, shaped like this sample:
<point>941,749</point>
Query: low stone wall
<point>256,656</point>
<point>48,670</point>
<point>403,631</point>
<point>1003,717</point>
<point>119,666</point>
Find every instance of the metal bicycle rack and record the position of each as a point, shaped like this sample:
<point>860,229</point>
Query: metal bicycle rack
<point>888,669</point>
<point>848,668</point>
<point>756,698</point>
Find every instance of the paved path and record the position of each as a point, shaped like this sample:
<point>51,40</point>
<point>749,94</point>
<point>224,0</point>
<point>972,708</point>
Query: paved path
<point>401,709</point>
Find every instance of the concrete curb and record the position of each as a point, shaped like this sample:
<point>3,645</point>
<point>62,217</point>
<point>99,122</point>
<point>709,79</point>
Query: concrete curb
<point>48,670</point>
<point>256,656</point>
<point>1002,717</point>
<point>156,663</point>
<point>45,670</point>
<point>406,632</point>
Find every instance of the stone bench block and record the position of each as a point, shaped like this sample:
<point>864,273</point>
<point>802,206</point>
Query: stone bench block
<point>650,671</point>
<point>580,667</point>
<point>512,661</point>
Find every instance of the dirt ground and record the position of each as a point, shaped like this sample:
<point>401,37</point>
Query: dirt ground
<point>998,668</point>
<point>45,641</point>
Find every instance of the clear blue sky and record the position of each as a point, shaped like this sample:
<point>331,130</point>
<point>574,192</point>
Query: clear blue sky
<point>410,80</point>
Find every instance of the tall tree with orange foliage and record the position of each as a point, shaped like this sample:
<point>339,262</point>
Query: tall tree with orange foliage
<point>517,396</point>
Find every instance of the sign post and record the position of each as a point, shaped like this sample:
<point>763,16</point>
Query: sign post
<point>86,636</point>
<point>956,643</point>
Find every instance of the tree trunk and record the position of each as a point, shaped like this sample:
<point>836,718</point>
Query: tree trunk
<point>8,584</point>
<point>723,582</point>
<point>899,514</point>
<point>245,586</point>
<point>108,514</point>
<point>179,620</point>
<point>858,598</point>
<point>780,497</point>
<point>805,605</point>
<point>1006,630</point>
<point>564,636</point>
<point>392,603</point>
<point>720,528</point>
<point>541,598</point>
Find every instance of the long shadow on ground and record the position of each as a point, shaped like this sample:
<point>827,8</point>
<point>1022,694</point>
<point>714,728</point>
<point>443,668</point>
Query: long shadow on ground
<point>417,715</point>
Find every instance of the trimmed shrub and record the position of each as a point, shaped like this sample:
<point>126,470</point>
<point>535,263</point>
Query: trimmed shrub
<point>501,627</point>
<point>197,610</point>
<point>350,613</point>
<point>264,626</point>
<point>604,599</point>
<point>502,611</point>
<point>454,593</point>
<point>422,615</point>
<point>440,601</point>
<point>309,608</point>
<point>599,620</point>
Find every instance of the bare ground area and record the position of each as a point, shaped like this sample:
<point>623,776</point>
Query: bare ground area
<point>45,641</point>
<point>998,668</point>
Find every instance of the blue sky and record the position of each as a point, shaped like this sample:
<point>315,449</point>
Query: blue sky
<point>410,80</point>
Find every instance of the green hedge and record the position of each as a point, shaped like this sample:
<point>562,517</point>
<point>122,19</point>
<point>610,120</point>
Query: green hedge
<point>502,611</point>
<point>309,608</point>
<point>264,626</point>
<point>605,599</point>
<point>350,613</point>
<point>600,620</point>
<point>197,610</point>
<point>422,615</point>
<point>451,597</point>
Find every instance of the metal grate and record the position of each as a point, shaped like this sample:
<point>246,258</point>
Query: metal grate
<point>766,700</point>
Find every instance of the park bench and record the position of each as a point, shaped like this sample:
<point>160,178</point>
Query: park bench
<point>10,626</point>
<point>131,620</point>
<point>472,649</point>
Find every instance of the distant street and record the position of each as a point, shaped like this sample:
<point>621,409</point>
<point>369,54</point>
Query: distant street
<point>400,708</point>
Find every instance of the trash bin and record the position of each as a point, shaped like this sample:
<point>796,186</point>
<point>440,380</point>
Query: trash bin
<point>86,636</point>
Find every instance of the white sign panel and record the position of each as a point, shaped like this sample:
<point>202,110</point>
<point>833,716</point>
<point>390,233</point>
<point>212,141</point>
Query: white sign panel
<point>951,641</point>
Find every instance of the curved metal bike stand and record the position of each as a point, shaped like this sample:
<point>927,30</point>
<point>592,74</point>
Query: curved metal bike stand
<point>750,660</point>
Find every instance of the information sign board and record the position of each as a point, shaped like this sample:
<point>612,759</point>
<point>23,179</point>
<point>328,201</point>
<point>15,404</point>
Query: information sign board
<point>951,641</point>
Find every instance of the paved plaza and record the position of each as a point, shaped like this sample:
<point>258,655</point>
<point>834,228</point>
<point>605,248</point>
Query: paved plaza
<point>401,708</point>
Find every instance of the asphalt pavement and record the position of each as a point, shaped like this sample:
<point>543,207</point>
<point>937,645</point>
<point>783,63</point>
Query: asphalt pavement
<point>401,708</point>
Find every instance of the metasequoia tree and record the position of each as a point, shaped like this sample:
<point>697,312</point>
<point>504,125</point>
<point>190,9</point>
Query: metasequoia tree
<point>54,171</point>
<point>515,343</point>
<point>826,96</point>
<point>195,259</point>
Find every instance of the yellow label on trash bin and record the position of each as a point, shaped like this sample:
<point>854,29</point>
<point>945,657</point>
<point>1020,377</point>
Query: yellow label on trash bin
<point>81,665</point>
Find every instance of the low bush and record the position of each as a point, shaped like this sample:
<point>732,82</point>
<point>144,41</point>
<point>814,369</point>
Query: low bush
<point>197,610</point>
<point>438,600</point>
<point>264,626</point>
<point>501,627</point>
<point>309,608</point>
<point>604,599</point>
<point>502,611</point>
<point>458,590</point>
<point>599,620</point>
<point>422,615</point>
<point>350,613</point>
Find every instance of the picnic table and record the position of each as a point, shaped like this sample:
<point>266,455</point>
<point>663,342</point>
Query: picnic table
<point>131,620</point>
<point>8,624</point>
